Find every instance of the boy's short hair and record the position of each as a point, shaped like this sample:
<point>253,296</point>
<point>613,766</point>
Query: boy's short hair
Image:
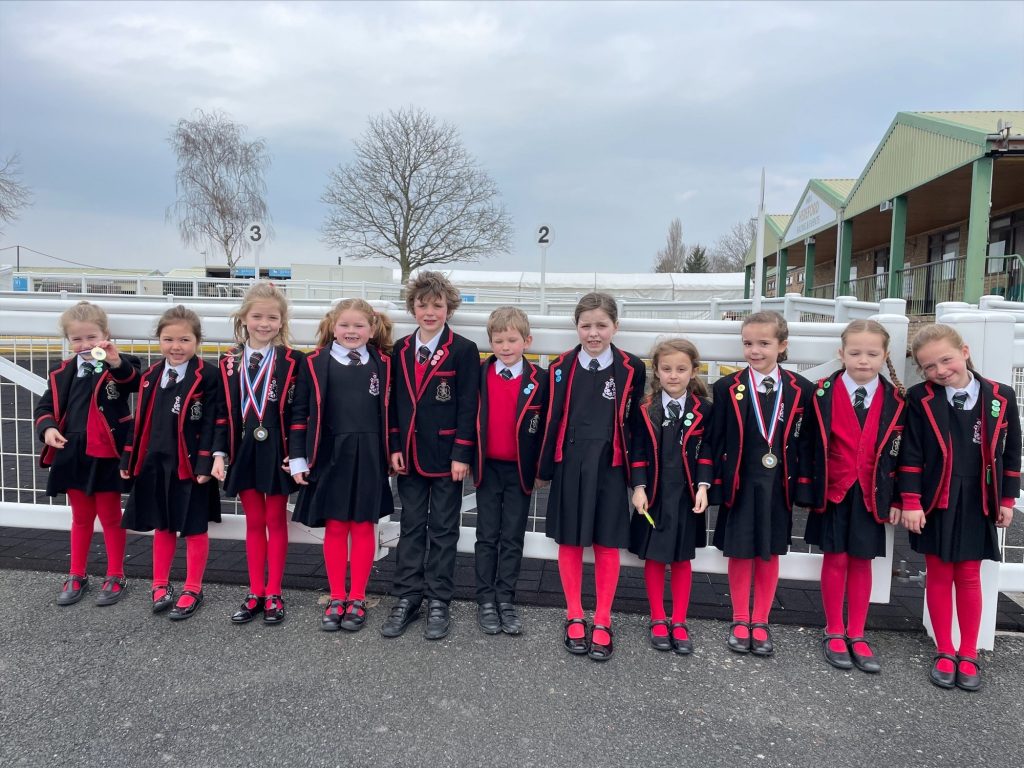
<point>428,284</point>
<point>504,318</point>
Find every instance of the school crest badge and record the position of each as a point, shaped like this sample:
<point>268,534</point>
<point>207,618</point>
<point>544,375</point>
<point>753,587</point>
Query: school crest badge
<point>374,385</point>
<point>195,413</point>
<point>796,426</point>
<point>272,391</point>
<point>111,390</point>
<point>895,450</point>
<point>977,432</point>
<point>444,392</point>
<point>609,390</point>
<point>629,404</point>
<point>534,424</point>
<point>291,393</point>
<point>176,408</point>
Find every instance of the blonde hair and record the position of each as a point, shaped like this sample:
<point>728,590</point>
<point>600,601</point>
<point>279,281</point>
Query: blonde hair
<point>508,318</point>
<point>770,318</point>
<point>875,327</point>
<point>261,291</point>
<point>380,324</point>
<point>431,285</point>
<point>185,316</point>
<point>84,312</point>
<point>939,332</point>
<point>592,301</point>
<point>686,347</point>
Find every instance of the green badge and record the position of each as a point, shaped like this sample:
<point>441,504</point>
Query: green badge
<point>820,393</point>
<point>827,384</point>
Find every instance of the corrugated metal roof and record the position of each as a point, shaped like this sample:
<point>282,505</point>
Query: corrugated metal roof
<point>982,120</point>
<point>838,188</point>
<point>774,226</point>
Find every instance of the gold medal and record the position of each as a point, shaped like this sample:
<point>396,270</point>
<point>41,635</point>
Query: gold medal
<point>260,433</point>
<point>770,460</point>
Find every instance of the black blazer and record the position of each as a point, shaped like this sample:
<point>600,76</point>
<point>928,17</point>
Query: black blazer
<point>887,446</point>
<point>434,425</point>
<point>306,418</point>
<point>695,445</point>
<point>531,403</point>
<point>926,457</point>
<point>199,420</point>
<point>728,421</point>
<point>630,377</point>
<point>111,391</point>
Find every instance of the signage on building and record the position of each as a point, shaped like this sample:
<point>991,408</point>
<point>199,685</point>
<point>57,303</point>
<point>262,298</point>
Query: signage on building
<point>813,214</point>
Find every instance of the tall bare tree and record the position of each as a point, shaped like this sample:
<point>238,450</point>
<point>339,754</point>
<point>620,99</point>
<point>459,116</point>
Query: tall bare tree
<point>672,258</point>
<point>414,195</point>
<point>730,250</point>
<point>219,184</point>
<point>14,194</point>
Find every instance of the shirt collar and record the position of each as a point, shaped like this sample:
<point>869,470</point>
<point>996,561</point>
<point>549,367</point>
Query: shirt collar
<point>972,389</point>
<point>432,344</point>
<point>759,377</point>
<point>603,360</point>
<point>179,368</point>
<point>666,398</point>
<point>516,368</point>
<point>340,353</point>
<point>851,386</point>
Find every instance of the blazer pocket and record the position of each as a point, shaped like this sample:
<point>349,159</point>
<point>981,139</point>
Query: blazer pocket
<point>444,373</point>
<point>123,419</point>
<point>446,432</point>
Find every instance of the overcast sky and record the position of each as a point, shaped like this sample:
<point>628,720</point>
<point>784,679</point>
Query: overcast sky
<point>603,120</point>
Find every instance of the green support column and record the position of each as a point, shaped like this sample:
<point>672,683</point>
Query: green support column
<point>809,269</point>
<point>977,229</point>
<point>764,280</point>
<point>845,257</point>
<point>748,278</point>
<point>782,259</point>
<point>897,246</point>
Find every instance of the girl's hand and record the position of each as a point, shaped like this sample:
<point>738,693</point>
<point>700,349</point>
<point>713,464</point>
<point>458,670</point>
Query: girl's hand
<point>285,464</point>
<point>701,500</point>
<point>640,500</point>
<point>113,356</point>
<point>459,471</point>
<point>125,475</point>
<point>1005,517</point>
<point>53,438</point>
<point>218,470</point>
<point>894,515</point>
<point>398,462</point>
<point>300,478</point>
<point>202,479</point>
<point>913,520</point>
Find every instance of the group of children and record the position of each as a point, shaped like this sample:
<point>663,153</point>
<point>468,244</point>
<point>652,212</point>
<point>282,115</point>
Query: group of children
<point>627,468</point>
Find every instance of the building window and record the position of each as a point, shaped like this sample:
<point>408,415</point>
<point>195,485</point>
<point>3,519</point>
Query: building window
<point>944,248</point>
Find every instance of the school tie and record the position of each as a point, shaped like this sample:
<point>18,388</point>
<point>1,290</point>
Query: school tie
<point>354,358</point>
<point>506,374</point>
<point>594,366</point>
<point>422,354</point>
<point>769,385</point>
<point>85,370</point>
<point>859,395</point>
<point>172,378</point>
<point>674,410</point>
<point>254,362</point>
<point>960,401</point>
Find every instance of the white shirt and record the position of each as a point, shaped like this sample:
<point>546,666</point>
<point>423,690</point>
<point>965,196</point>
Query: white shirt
<point>340,353</point>
<point>516,368</point>
<point>760,377</point>
<point>851,388</point>
<point>973,389</point>
<point>666,399</point>
<point>603,360</point>
<point>179,368</point>
<point>431,345</point>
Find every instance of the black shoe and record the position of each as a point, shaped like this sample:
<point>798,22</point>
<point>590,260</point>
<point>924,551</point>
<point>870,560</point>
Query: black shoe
<point>438,620</point>
<point>838,659</point>
<point>684,647</point>
<point>659,642</point>
<point>404,613</point>
<point>73,589</point>
<point>273,610</point>
<point>967,682</point>
<point>761,647</point>
<point>600,651</point>
<point>355,616</point>
<point>488,619</point>
<point>161,604</point>
<point>511,624</point>
<point>867,664</point>
<point>251,606</point>
<point>331,620</point>
<point>179,613</point>
<point>943,679</point>
<point>576,645</point>
<point>108,595</point>
<point>739,644</point>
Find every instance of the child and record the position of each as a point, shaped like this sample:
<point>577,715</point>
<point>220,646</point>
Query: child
<point>593,389</point>
<point>169,458</point>
<point>859,419</point>
<point>959,475</point>
<point>756,429</point>
<point>513,398</point>
<point>338,442</point>
<point>258,378</point>
<point>434,401</point>
<point>671,476</point>
<point>82,419</point>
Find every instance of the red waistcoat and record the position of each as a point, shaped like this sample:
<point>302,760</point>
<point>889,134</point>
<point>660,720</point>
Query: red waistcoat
<point>851,448</point>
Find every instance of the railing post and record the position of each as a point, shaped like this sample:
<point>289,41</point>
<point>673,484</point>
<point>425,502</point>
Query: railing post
<point>789,310</point>
<point>85,285</point>
<point>715,313</point>
<point>892,307</point>
<point>842,309</point>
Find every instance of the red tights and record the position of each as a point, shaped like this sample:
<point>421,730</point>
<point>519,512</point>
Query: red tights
<point>765,575</point>
<point>84,511</point>
<point>850,576</point>
<point>197,550</point>
<point>606,579</point>
<point>941,578</point>
<point>266,540</point>
<point>682,578</point>
<point>359,558</point>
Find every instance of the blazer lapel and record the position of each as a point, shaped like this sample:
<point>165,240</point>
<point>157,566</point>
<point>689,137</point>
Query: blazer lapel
<point>436,360</point>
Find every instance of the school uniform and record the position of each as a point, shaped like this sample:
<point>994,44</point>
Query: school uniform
<point>588,433</point>
<point>509,430</point>
<point>671,457</point>
<point>434,405</point>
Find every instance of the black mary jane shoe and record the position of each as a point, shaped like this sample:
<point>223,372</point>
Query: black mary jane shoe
<point>838,659</point>
<point>940,678</point>
<point>251,607</point>
<point>331,620</point>
<point>273,610</point>
<point>739,644</point>
<point>761,647</point>
<point>966,682</point>
<point>73,589</point>
<point>165,601</point>
<point>578,646</point>
<point>681,646</point>
<point>600,651</point>
<point>112,591</point>
<point>180,613</point>
<point>511,624</point>
<point>354,617</point>
<point>659,642</point>
<point>867,664</point>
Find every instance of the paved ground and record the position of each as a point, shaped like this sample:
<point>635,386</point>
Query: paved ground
<point>85,686</point>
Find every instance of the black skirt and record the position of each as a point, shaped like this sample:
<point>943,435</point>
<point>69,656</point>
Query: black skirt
<point>962,532</point>
<point>351,486</point>
<point>257,467</point>
<point>161,501</point>
<point>678,531</point>
<point>73,470</point>
<point>847,527</point>
<point>589,499</point>
<point>758,524</point>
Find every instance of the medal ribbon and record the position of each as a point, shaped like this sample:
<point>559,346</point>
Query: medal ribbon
<point>770,433</point>
<point>250,401</point>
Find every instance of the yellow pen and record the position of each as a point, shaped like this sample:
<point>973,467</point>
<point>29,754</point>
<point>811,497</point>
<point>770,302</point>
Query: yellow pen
<point>649,518</point>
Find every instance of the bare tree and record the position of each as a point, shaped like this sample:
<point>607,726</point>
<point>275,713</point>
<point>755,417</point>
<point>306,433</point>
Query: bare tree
<point>414,195</point>
<point>14,195</point>
<point>219,184</point>
<point>731,249</point>
<point>672,258</point>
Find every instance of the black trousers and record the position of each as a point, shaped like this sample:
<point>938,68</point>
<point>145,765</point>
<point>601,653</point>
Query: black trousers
<point>425,564</point>
<point>501,512</point>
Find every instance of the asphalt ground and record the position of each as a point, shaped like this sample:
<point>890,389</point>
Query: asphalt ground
<point>87,686</point>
